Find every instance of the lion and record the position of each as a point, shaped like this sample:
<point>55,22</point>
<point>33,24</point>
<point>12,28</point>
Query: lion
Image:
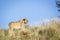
<point>17,25</point>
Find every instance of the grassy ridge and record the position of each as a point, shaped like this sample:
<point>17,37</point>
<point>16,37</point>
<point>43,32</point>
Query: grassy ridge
<point>48,32</point>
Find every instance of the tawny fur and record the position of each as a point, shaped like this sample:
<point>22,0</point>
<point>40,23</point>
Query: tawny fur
<point>17,25</point>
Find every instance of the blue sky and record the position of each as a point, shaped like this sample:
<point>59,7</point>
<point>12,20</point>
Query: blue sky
<point>34,10</point>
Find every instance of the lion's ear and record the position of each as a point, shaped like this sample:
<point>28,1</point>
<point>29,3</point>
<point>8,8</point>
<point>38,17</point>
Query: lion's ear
<point>24,19</point>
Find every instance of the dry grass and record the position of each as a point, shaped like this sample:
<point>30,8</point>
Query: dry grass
<point>51,32</point>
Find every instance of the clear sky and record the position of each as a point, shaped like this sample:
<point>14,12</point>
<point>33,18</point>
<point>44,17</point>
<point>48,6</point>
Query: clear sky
<point>34,10</point>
